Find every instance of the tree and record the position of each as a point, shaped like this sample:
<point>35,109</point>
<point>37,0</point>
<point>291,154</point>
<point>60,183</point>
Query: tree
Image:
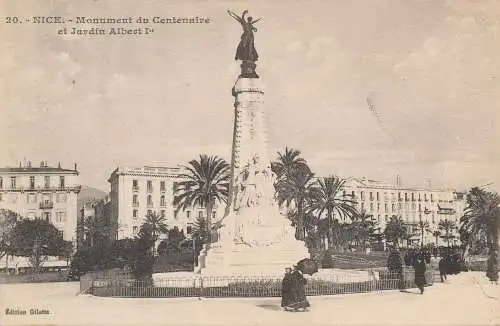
<point>436,235</point>
<point>205,183</point>
<point>38,239</point>
<point>8,221</point>
<point>298,190</point>
<point>142,268</point>
<point>288,163</point>
<point>395,230</point>
<point>363,226</point>
<point>158,226</point>
<point>423,226</point>
<point>446,227</point>
<point>328,202</point>
<point>482,214</point>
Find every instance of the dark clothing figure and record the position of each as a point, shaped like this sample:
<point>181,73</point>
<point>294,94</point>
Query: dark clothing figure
<point>443,268</point>
<point>295,291</point>
<point>286,289</point>
<point>420,274</point>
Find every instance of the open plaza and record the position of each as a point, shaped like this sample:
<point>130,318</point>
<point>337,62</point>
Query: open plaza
<point>465,299</point>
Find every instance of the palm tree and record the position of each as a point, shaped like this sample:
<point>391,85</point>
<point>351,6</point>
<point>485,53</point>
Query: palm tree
<point>482,214</point>
<point>436,234</point>
<point>328,201</point>
<point>205,183</point>
<point>364,227</point>
<point>423,226</point>
<point>297,189</point>
<point>288,163</point>
<point>157,223</point>
<point>395,230</point>
<point>446,227</point>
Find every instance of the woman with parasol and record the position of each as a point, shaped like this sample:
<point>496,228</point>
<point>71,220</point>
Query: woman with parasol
<point>294,292</point>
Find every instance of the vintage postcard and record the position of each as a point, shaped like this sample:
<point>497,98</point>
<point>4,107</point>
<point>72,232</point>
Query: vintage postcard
<point>249,162</point>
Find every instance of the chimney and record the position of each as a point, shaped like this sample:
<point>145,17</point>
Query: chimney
<point>398,181</point>
<point>59,165</point>
<point>41,164</point>
<point>75,166</point>
<point>29,164</point>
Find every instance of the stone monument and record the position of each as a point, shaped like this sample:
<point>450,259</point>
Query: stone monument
<point>254,238</point>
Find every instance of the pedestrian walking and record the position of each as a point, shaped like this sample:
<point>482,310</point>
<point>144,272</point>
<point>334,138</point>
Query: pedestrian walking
<point>420,273</point>
<point>443,268</point>
<point>286,288</point>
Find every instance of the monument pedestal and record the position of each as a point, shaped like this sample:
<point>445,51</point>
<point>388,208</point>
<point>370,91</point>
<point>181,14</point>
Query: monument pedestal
<point>255,239</point>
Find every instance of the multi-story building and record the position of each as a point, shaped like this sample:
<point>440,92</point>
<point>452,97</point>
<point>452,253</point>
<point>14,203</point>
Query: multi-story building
<point>94,222</point>
<point>42,192</point>
<point>413,205</point>
<point>138,191</point>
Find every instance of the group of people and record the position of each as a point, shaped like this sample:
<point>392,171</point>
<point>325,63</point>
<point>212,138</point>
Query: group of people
<point>449,264</point>
<point>414,258</point>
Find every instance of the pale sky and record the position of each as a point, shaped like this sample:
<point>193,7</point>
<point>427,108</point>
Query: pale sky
<point>430,68</point>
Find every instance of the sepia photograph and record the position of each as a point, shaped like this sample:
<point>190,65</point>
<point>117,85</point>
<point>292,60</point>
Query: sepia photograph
<point>231,162</point>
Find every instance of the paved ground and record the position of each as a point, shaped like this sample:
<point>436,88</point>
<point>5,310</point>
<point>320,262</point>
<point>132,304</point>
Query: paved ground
<point>466,299</point>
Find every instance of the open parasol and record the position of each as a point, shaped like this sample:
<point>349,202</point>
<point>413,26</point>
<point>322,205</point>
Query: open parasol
<point>307,266</point>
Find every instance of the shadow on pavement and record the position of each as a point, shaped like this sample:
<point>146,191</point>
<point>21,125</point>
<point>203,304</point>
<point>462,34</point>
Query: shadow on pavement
<point>273,307</point>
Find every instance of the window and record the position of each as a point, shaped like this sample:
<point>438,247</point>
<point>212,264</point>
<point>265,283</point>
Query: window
<point>162,185</point>
<point>371,207</point>
<point>399,196</point>
<point>176,214</point>
<point>213,215</point>
<point>12,182</point>
<point>371,195</point>
<point>150,186</point>
<point>386,208</point>
<point>134,229</point>
<point>412,197</point>
<point>0,196</point>
<point>200,214</point>
<point>1,183</point>
<point>378,195</point>
<point>135,202</point>
<point>393,208</point>
<point>406,196</point>
<point>353,194</point>
<point>419,199</point>
<point>31,198</point>
<point>362,206</point>
<point>425,197</point>
<point>135,185</point>
<point>432,197</point>
<point>46,216</point>
<point>362,195</point>
<point>61,182</point>
<point>32,182</point>
<point>61,217</point>
<point>188,214</point>
<point>150,212</point>
<point>134,213</point>
<point>162,213</point>
<point>150,200</point>
<point>47,181</point>
<point>162,201</point>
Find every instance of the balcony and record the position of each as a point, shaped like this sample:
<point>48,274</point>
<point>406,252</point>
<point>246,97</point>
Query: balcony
<point>135,188</point>
<point>135,204</point>
<point>48,204</point>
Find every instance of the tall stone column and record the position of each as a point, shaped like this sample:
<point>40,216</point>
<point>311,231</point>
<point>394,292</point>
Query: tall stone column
<point>255,238</point>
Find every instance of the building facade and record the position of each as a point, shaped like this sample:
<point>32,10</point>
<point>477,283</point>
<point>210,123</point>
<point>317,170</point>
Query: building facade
<point>138,191</point>
<point>42,192</point>
<point>413,205</point>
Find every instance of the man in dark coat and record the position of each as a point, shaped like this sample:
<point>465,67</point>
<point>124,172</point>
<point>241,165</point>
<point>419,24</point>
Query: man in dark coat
<point>443,268</point>
<point>296,297</point>
<point>420,273</point>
